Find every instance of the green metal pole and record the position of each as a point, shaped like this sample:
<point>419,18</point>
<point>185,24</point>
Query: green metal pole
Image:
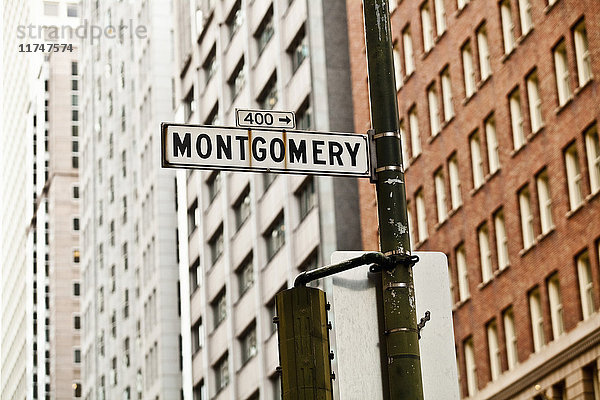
<point>403,378</point>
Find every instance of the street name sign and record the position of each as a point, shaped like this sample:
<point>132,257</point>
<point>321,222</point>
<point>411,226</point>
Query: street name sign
<point>264,119</point>
<point>265,150</point>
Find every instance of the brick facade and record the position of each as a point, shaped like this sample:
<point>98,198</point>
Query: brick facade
<point>574,231</point>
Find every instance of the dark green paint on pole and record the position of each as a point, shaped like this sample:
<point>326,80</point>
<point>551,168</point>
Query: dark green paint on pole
<point>402,380</point>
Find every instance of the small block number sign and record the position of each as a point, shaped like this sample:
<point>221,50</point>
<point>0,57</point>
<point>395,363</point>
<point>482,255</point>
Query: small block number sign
<point>265,119</point>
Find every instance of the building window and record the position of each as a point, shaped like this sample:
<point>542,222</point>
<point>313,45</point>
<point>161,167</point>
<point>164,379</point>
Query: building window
<point>421,217</point>
<point>237,80</point>
<point>468,70</point>
<point>265,31</point>
<point>526,218</point>
<point>216,246</point>
<point>307,197</point>
<point>397,67</point>
<point>591,380</point>
<point>189,104</point>
<point>516,119</point>
<point>447,94</point>
<point>440,17</point>
<point>440,195</point>
<point>219,308</point>
<point>75,192</point>
<point>586,285</point>
<point>525,16</point>
<point>304,116</point>
<point>485,254</point>
<point>545,201</point>
<point>214,185</point>
<point>245,275</point>
<point>537,320</point>
<point>573,177</point>
<point>470,367</point>
<point>268,98</point>
<point>74,68</point>
<point>248,343</point>
<point>210,65</point>
<point>501,240</point>
<point>409,63</point>
<point>193,215</point>
<point>221,369</point>
<point>592,147</point>
<point>485,68</point>
<point>404,145</point>
<point>77,356</point>
<point>427,27</point>
<point>415,136</point>
<point>561,67</point>
<point>76,256</point>
<point>494,350</point>
<point>76,224</point>
<point>268,180</point>
<point>510,335</point>
<point>76,322</point>
<point>410,226</point>
<point>434,110</point>
<point>455,195</point>
<point>492,145</point>
<point>535,102</point>
<point>195,275</point>
<point>582,54</point>
<point>298,50</point>
<point>275,237</point>
<point>556,308</point>
<point>476,160</point>
<point>508,35</point>
<point>197,336</point>
<point>200,392</point>
<point>234,20</point>
<point>241,208</point>
<point>462,273</point>
<point>76,289</point>
<point>461,4</point>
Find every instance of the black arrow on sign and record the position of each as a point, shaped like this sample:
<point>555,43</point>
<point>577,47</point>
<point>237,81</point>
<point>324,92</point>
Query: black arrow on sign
<point>286,119</point>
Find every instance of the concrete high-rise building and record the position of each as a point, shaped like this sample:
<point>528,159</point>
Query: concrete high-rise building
<point>243,236</point>
<point>130,332</point>
<point>498,107</point>
<point>16,325</point>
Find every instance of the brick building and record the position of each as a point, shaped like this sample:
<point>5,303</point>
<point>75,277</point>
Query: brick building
<point>498,108</point>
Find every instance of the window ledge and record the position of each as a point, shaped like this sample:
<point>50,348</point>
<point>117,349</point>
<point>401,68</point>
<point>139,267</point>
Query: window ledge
<point>421,242</point>
<point>461,303</point>
<point>454,211</point>
<point>574,211</point>
<point>447,122</point>
<point>468,99</point>
<point>585,85</point>
<point>460,11</point>
<point>491,176</point>
<point>407,77</point>
<point>549,7</point>
<point>534,134</point>
<point>414,159</point>
<point>561,107</point>
<point>506,56</point>
<point>522,38</point>
<point>482,83</point>
<point>542,236</point>
<point>517,151</point>
<point>499,272</point>
<point>486,283</point>
<point>427,52</point>
<point>592,196</point>
<point>431,138</point>
<point>474,191</point>
<point>439,37</point>
<point>440,224</point>
<point>522,252</point>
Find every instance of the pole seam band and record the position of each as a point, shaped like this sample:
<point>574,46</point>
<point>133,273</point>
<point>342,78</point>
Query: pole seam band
<point>386,134</point>
<point>396,330</point>
<point>397,285</point>
<point>390,168</point>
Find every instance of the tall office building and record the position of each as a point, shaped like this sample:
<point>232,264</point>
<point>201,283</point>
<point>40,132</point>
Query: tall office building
<point>499,111</point>
<point>130,331</point>
<point>243,236</point>
<point>16,325</point>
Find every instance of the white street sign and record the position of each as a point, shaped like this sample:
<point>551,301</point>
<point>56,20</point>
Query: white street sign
<point>265,119</point>
<point>355,340</point>
<point>264,150</point>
